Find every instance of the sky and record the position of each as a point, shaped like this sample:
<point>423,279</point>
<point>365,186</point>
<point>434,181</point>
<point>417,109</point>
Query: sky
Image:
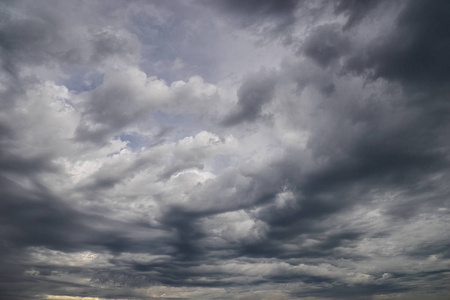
<point>225,149</point>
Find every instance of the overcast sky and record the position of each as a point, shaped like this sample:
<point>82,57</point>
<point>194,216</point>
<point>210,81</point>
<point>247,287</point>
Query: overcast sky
<point>224,149</point>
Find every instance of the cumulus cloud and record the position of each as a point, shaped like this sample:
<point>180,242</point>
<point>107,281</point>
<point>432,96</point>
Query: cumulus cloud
<point>257,150</point>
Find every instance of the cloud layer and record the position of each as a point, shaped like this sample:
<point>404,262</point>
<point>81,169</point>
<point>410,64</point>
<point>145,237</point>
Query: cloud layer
<point>224,150</point>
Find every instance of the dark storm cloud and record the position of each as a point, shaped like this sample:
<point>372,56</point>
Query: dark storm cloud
<point>378,155</point>
<point>37,218</point>
<point>378,162</point>
<point>187,232</point>
<point>17,164</point>
<point>374,168</point>
<point>256,91</point>
<point>415,52</point>
<point>359,291</point>
<point>375,157</point>
<point>32,219</point>
<point>327,245</point>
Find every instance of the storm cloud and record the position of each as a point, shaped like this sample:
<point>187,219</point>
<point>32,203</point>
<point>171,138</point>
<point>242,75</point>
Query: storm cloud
<point>224,150</point>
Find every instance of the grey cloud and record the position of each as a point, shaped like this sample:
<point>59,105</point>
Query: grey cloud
<point>269,19</point>
<point>164,131</point>
<point>38,35</point>
<point>326,44</point>
<point>251,12</point>
<point>355,10</point>
<point>256,91</point>
<point>120,100</point>
<point>260,7</point>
